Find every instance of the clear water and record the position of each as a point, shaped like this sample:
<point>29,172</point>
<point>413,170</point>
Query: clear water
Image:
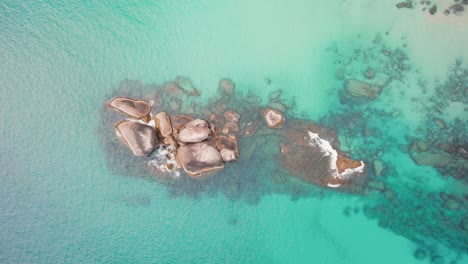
<point>62,202</point>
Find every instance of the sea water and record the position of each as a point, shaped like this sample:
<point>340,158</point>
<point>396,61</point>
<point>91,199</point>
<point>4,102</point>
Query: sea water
<point>63,201</point>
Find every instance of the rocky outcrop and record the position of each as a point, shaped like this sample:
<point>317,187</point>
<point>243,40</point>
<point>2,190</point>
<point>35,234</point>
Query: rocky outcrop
<point>201,157</point>
<point>359,91</point>
<point>194,131</point>
<point>163,124</point>
<point>141,139</point>
<point>273,118</point>
<point>133,108</point>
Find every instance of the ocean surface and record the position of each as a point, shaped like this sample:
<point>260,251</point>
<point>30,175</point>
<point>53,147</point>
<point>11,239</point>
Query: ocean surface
<point>64,199</point>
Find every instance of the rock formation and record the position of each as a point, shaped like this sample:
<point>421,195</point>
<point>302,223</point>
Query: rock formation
<point>198,146</point>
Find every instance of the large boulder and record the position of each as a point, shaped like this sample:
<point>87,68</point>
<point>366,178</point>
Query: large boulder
<point>194,131</point>
<point>140,138</point>
<point>273,118</point>
<point>359,91</point>
<point>201,157</point>
<point>163,124</point>
<point>131,107</point>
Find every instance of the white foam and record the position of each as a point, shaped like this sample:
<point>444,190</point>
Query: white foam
<point>160,160</point>
<point>328,150</point>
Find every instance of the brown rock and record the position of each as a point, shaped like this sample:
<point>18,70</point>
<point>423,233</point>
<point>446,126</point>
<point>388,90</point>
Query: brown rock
<point>131,107</point>
<point>141,139</point>
<point>194,131</point>
<point>343,163</point>
<point>359,90</point>
<point>227,146</point>
<point>201,157</point>
<point>273,118</point>
<point>163,124</point>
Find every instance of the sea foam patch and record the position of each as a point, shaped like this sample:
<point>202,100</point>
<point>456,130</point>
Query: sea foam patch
<point>329,151</point>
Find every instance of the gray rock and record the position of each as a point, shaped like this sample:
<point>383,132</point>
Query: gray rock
<point>201,157</point>
<point>141,139</point>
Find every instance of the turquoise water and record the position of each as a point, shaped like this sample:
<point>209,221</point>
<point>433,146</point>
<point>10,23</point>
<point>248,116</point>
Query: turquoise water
<point>63,199</point>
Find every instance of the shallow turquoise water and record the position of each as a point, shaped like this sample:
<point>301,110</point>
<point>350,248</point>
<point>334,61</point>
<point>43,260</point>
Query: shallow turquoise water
<point>60,202</point>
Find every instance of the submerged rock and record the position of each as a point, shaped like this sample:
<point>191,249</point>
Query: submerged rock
<point>227,86</point>
<point>378,167</point>
<point>163,124</point>
<point>194,131</point>
<point>273,118</point>
<point>201,157</point>
<point>187,86</point>
<point>433,9</point>
<point>435,159</point>
<point>360,91</point>
<point>141,139</point>
<point>131,107</point>
<point>457,9</point>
